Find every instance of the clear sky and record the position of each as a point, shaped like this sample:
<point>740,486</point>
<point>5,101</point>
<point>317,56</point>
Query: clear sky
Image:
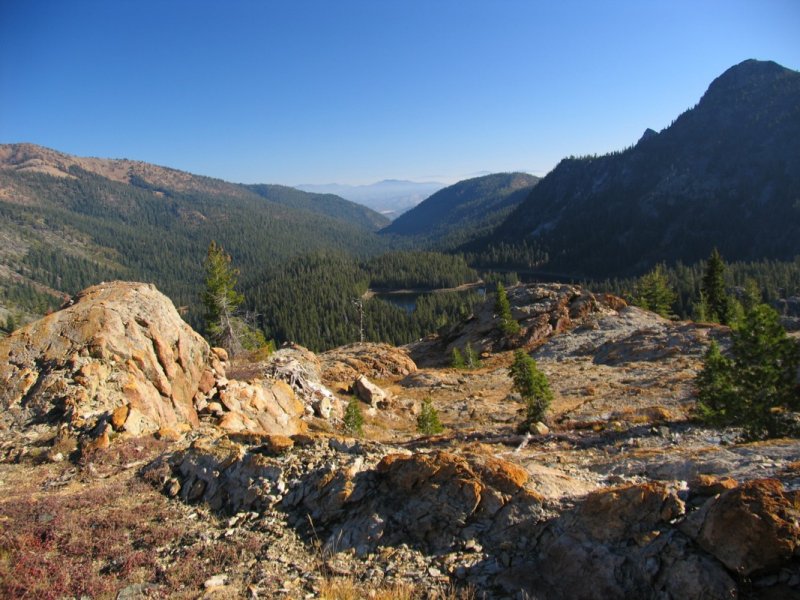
<point>348,91</point>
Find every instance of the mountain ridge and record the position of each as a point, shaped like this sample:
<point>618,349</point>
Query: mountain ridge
<point>724,173</point>
<point>465,208</point>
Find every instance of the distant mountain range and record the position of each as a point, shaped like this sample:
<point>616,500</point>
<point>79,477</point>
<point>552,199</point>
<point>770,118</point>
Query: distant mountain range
<point>463,210</point>
<point>726,173</point>
<point>390,197</point>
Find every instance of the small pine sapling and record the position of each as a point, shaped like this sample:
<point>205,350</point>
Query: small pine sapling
<point>457,360</point>
<point>532,385</point>
<point>428,422</point>
<point>502,308</point>
<point>353,420</point>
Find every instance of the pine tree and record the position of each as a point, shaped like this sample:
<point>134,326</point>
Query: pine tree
<point>502,308</point>
<point>532,385</point>
<point>716,396</point>
<point>713,288</point>
<point>752,294</point>
<point>700,309</point>
<point>428,422</point>
<point>225,327</point>
<point>220,299</point>
<point>653,292</point>
<point>471,359</point>
<point>757,384</point>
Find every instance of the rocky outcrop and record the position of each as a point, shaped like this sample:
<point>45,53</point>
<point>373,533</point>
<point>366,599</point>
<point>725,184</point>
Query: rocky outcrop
<point>260,407</point>
<point>541,310</point>
<point>752,528</point>
<point>342,366</point>
<point>119,358</point>
<point>117,345</point>
<point>480,516</point>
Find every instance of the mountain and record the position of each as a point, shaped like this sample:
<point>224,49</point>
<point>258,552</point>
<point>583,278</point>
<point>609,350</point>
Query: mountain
<point>390,197</point>
<point>67,222</point>
<point>467,208</point>
<point>726,173</point>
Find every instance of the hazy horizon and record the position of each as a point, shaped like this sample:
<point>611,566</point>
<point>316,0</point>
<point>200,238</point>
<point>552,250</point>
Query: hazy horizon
<point>358,92</point>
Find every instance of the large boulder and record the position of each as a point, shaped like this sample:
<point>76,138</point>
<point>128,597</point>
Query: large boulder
<point>370,393</point>
<point>117,345</point>
<point>753,527</point>
<point>301,369</point>
<point>260,407</point>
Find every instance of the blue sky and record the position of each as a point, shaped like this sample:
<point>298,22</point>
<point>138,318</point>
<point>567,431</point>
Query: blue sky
<point>352,91</point>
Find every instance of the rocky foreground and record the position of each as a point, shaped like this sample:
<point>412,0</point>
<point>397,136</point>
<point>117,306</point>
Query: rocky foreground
<point>138,462</point>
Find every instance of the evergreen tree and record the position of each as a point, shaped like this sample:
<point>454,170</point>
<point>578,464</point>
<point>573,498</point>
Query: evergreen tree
<point>11,324</point>
<point>471,359</point>
<point>752,294</point>
<point>502,308</point>
<point>428,422</point>
<point>220,299</point>
<point>653,292</point>
<point>757,384</point>
<point>353,420</point>
<point>700,309</point>
<point>532,385</point>
<point>715,388</point>
<point>713,288</point>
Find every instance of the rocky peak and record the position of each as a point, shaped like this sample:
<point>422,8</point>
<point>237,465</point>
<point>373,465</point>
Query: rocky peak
<point>750,73</point>
<point>648,133</point>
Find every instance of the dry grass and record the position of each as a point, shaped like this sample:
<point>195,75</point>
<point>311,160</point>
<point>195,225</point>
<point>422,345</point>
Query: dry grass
<point>347,588</point>
<point>68,532</point>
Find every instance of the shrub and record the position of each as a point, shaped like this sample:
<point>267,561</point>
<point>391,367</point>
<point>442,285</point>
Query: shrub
<point>428,421</point>
<point>457,360</point>
<point>653,292</point>
<point>468,360</point>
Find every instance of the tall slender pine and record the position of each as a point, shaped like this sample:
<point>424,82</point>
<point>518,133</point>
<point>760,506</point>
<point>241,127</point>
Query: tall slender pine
<point>714,289</point>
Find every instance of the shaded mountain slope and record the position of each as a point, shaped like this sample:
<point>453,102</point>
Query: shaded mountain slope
<point>465,209</point>
<point>726,173</point>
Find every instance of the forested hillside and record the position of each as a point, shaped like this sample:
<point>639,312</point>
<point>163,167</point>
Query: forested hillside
<point>463,211</point>
<point>326,204</point>
<point>67,227</point>
<point>726,173</point>
<point>778,283</point>
<point>303,259</point>
<point>316,300</point>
